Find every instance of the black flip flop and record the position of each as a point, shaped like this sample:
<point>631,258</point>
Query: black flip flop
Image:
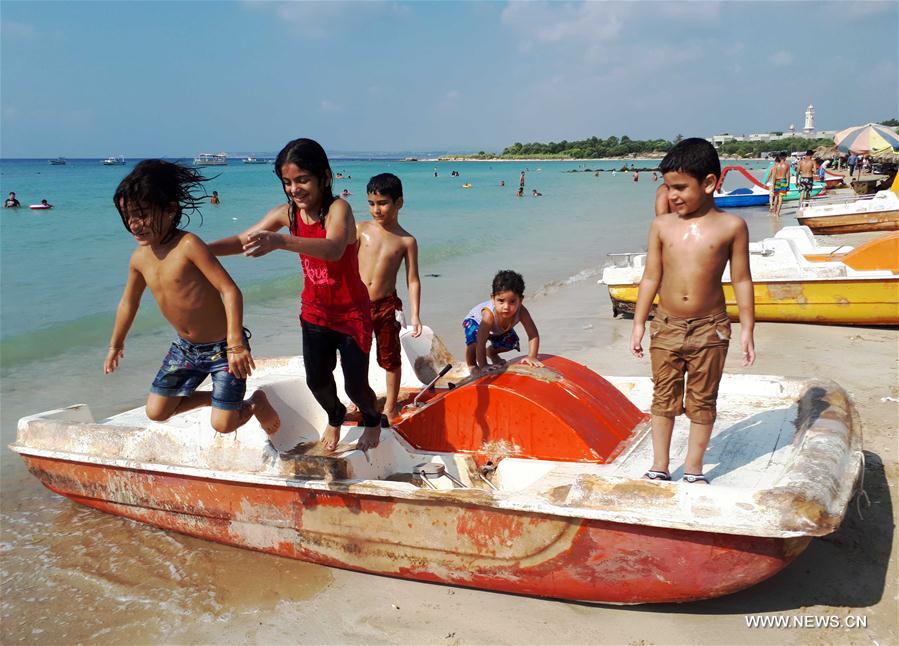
<point>664,476</point>
<point>693,478</point>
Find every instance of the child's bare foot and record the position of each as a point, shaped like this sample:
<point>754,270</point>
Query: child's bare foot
<point>330,438</point>
<point>370,438</point>
<point>265,412</point>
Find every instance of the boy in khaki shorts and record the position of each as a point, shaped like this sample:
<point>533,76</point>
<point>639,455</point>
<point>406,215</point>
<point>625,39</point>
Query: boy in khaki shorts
<point>687,253</point>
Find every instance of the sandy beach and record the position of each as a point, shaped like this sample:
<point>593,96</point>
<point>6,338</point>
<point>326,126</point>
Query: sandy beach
<point>847,573</point>
<point>249,597</point>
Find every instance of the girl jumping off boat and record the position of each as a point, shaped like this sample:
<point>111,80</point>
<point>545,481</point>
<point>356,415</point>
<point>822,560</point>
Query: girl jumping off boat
<point>335,311</point>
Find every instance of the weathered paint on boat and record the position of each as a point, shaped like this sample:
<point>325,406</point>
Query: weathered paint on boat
<point>879,212</point>
<point>549,461</point>
<point>439,541</point>
<point>851,223</point>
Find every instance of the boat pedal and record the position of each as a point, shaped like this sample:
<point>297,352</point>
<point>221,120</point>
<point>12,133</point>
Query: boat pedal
<point>433,470</point>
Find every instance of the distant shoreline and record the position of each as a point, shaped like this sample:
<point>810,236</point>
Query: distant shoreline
<point>566,159</point>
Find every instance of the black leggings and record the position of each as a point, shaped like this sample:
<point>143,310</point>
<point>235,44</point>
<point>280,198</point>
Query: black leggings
<point>320,347</point>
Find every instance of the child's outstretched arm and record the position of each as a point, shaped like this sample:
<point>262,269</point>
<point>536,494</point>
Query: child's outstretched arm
<point>240,361</point>
<point>533,339</point>
<point>124,317</point>
<point>274,220</point>
<point>413,283</point>
<point>649,287</point>
<point>340,231</point>
<point>741,279</point>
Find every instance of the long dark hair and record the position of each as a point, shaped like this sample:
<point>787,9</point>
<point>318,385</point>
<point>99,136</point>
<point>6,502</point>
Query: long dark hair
<point>311,157</point>
<point>156,185</point>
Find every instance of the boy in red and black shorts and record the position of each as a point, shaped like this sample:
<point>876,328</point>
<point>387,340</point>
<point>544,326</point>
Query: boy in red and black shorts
<point>383,246</point>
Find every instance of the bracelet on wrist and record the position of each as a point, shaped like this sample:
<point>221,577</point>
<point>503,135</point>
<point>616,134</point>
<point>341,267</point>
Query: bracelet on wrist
<point>234,349</point>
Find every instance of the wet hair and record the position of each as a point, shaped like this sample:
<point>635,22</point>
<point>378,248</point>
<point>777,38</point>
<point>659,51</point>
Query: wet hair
<point>154,186</point>
<point>507,280</point>
<point>386,184</point>
<point>695,157</point>
<point>311,157</point>
<point>809,152</point>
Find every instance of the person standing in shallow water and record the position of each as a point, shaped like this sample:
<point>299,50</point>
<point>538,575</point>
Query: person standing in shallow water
<point>11,202</point>
<point>335,312</point>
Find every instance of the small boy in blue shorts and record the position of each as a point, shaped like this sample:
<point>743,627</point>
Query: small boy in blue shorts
<point>194,293</point>
<point>494,321</point>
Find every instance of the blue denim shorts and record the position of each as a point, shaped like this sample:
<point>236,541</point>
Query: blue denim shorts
<point>187,364</point>
<point>506,341</point>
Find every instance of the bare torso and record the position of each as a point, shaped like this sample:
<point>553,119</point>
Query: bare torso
<point>807,167</point>
<point>185,297</point>
<point>694,252</point>
<point>381,253</point>
<point>781,170</point>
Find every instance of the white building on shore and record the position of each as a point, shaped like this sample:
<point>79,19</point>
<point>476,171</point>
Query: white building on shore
<point>808,132</point>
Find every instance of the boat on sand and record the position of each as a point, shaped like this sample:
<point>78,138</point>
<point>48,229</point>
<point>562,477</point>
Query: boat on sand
<point>525,480</point>
<point>795,280</point>
<point>756,194</point>
<point>878,212</point>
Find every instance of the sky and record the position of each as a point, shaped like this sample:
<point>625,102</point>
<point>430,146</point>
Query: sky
<point>169,78</point>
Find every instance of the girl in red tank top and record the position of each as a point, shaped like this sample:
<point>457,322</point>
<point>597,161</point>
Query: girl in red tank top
<point>334,295</point>
<point>335,311</point>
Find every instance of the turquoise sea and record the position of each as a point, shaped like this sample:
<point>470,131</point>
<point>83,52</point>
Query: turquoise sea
<point>62,272</point>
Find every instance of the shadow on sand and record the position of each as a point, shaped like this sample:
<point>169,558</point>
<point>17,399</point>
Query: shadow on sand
<point>847,568</point>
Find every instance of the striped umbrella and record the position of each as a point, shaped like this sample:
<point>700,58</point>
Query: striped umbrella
<point>870,139</point>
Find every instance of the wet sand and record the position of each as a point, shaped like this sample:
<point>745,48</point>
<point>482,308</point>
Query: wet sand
<point>208,593</point>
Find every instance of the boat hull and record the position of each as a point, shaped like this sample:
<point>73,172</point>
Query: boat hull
<point>843,302</point>
<point>431,540</point>
<point>852,223</point>
<point>738,201</point>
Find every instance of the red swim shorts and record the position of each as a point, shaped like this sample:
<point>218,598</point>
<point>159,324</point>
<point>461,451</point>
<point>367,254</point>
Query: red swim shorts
<point>387,330</point>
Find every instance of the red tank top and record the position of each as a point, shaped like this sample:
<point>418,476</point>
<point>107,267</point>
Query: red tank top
<point>334,295</point>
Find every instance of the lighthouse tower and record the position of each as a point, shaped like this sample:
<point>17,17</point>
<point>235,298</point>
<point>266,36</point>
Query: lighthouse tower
<point>809,120</point>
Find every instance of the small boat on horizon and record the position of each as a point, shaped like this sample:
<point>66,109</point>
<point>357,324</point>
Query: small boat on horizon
<point>59,161</point>
<point>253,160</point>
<point>114,161</point>
<point>524,480</point>
<point>211,159</point>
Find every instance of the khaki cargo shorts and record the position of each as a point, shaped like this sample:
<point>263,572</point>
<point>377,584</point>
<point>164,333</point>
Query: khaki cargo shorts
<point>696,347</point>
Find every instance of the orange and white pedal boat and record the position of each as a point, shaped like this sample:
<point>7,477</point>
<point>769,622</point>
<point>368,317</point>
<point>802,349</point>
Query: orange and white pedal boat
<point>524,480</point>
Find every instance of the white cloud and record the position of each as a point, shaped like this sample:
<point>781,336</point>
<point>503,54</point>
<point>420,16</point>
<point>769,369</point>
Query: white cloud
<point>318,18</point>
<point>588,25</point>
<point>852,10</point>
<point>694,12</point>
<point>330,106</point>
<point>19,30</point>
<point>781,58</point>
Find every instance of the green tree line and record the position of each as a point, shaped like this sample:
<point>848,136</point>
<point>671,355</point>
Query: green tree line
<point>595,147</point>
<point>756,148</point>
<point>589,148</point>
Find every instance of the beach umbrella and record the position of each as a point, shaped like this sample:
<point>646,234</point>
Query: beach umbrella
<point>869,139</point>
